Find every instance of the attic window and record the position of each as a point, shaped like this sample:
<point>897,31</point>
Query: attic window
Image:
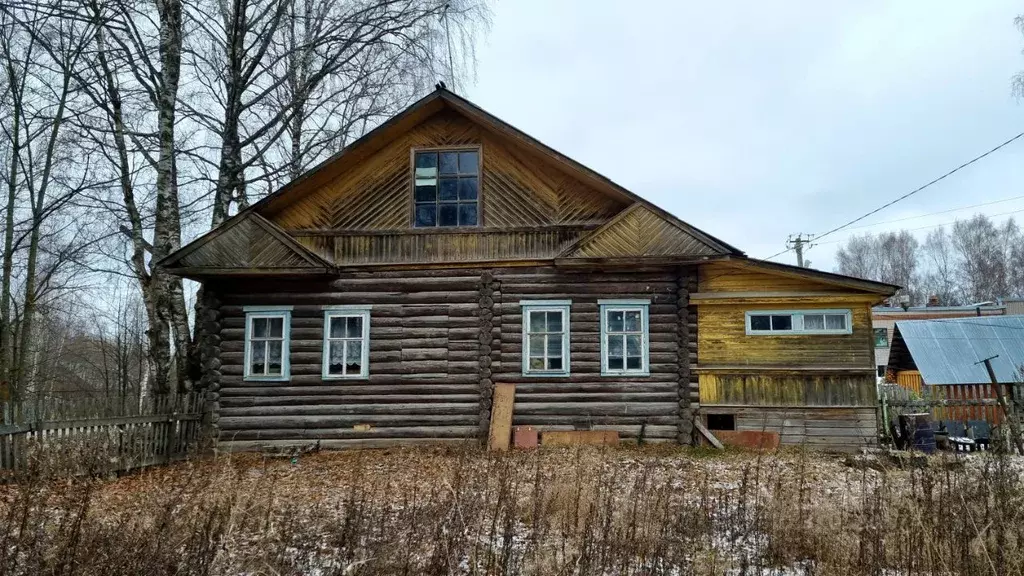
<point>447,188</point>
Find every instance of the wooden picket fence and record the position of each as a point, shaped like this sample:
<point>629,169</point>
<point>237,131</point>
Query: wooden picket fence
<point>89,437</point>
<point>954,404</point>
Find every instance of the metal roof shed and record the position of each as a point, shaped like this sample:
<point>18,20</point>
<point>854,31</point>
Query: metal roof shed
<point>949,351</point>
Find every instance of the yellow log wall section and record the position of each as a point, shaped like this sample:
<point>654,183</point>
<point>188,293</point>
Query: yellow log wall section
<point>722,339</point>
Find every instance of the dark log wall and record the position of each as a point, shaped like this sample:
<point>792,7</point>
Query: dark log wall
<point>659,403</point>
<point>439,341</point>
<point>424,372</point>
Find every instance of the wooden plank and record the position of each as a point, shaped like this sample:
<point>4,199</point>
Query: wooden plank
<point>579,437</point>
<point>501,417</point>
<point>707,434</point>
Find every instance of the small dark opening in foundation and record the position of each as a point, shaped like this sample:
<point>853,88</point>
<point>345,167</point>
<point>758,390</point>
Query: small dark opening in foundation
<point>721,421</point>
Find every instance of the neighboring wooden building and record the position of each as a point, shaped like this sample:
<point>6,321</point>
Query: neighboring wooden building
<point>944,360</point>
<point>884,318</point>
<point>378,298</point>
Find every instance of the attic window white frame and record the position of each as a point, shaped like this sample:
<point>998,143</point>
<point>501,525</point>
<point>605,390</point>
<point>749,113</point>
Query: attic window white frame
<point>797,322</point>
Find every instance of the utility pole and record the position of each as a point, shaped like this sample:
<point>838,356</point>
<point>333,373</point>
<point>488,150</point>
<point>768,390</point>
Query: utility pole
<point>1010,417</point>
<point>797,243</point>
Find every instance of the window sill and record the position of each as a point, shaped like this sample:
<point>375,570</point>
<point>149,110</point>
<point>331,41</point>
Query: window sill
<point>285,378</point>
<point>626,373</point>
<point>546,374</point>
<point>345,378</point>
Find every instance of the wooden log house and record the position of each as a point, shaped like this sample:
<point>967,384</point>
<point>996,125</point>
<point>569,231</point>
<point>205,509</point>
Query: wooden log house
<point>378,298</point>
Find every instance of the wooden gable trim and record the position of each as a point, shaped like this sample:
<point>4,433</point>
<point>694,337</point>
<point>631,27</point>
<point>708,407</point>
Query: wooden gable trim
<point>573,167</point>
<point>425,107</point>
<point>174,261</point>
<point>625,243</point>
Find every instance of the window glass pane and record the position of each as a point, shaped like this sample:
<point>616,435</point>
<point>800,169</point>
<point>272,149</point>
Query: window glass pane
<point>426,192</point>
<point>467,188</point>
<point>615,346</point>
<point>814,322</point>
<point>782,322</point>
<point>554,321</point>
<point>353,357</point>
<point>835,321</point>
<point>536,363</point>
<point>449,189</point>
<point>632,320</point>
<point>554,363</point>
<point>426,214</point>
<point>355,327</point>
<point>259,328</point>
<point>426,160</point>
<point>881,338</point>
<point>555,346</point>
<point>337,327</point>
<point>468,162</point>
<point>615,321</point>
<point>276,327</point>
<point>536,346</point>
<point>537,323</point>
<point>258,358</point>
<point>615,363</point>
<point>448,215</point>
<point>633,345</point>
<point>633,363</point>
<point>449,162</point>
<point>336,357</point>
<point>467,214</point>
<point>760,322</point>
<point>274,357</point>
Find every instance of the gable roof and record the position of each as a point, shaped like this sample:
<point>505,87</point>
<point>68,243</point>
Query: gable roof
<point>247,243</point>
<point>432,103</point>
<point>416,113</point>
<point>949,351</point>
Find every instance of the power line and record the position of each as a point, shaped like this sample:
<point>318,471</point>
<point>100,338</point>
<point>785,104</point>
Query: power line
<point>936,213</point>
<point>920,188</point>
<point>911,193</point>
<point>931,225</point>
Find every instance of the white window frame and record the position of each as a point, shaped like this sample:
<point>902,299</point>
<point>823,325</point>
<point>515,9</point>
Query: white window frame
<point>643,306</point>
<point>364,339</point>
<point>285,314</point>
<point>528,306</point>
<point>798,322</point>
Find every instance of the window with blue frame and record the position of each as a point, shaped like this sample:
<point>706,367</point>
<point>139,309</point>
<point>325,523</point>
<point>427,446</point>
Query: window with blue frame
<point>624,337</point>
<point>267,332</point>
<point>346,342</point>
<point>447,188</point>
<point>546,337</point>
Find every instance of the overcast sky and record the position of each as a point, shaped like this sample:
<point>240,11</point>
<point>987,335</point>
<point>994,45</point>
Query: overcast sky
<point>755,120</point>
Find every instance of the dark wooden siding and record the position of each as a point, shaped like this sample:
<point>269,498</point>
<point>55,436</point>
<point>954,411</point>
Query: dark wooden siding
<point>439,340</point>
<point>424,367</point>
<point>839,429</point>
<point>658,401</point>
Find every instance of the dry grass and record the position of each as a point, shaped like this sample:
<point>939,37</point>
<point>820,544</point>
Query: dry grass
<point>569,511</point>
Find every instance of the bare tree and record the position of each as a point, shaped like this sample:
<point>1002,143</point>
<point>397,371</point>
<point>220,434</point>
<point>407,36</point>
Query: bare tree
<point>981,259</point>
<point>889,257</point>
<point>290,80</point>
<point>939,278</point>
<point>45,173</point>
